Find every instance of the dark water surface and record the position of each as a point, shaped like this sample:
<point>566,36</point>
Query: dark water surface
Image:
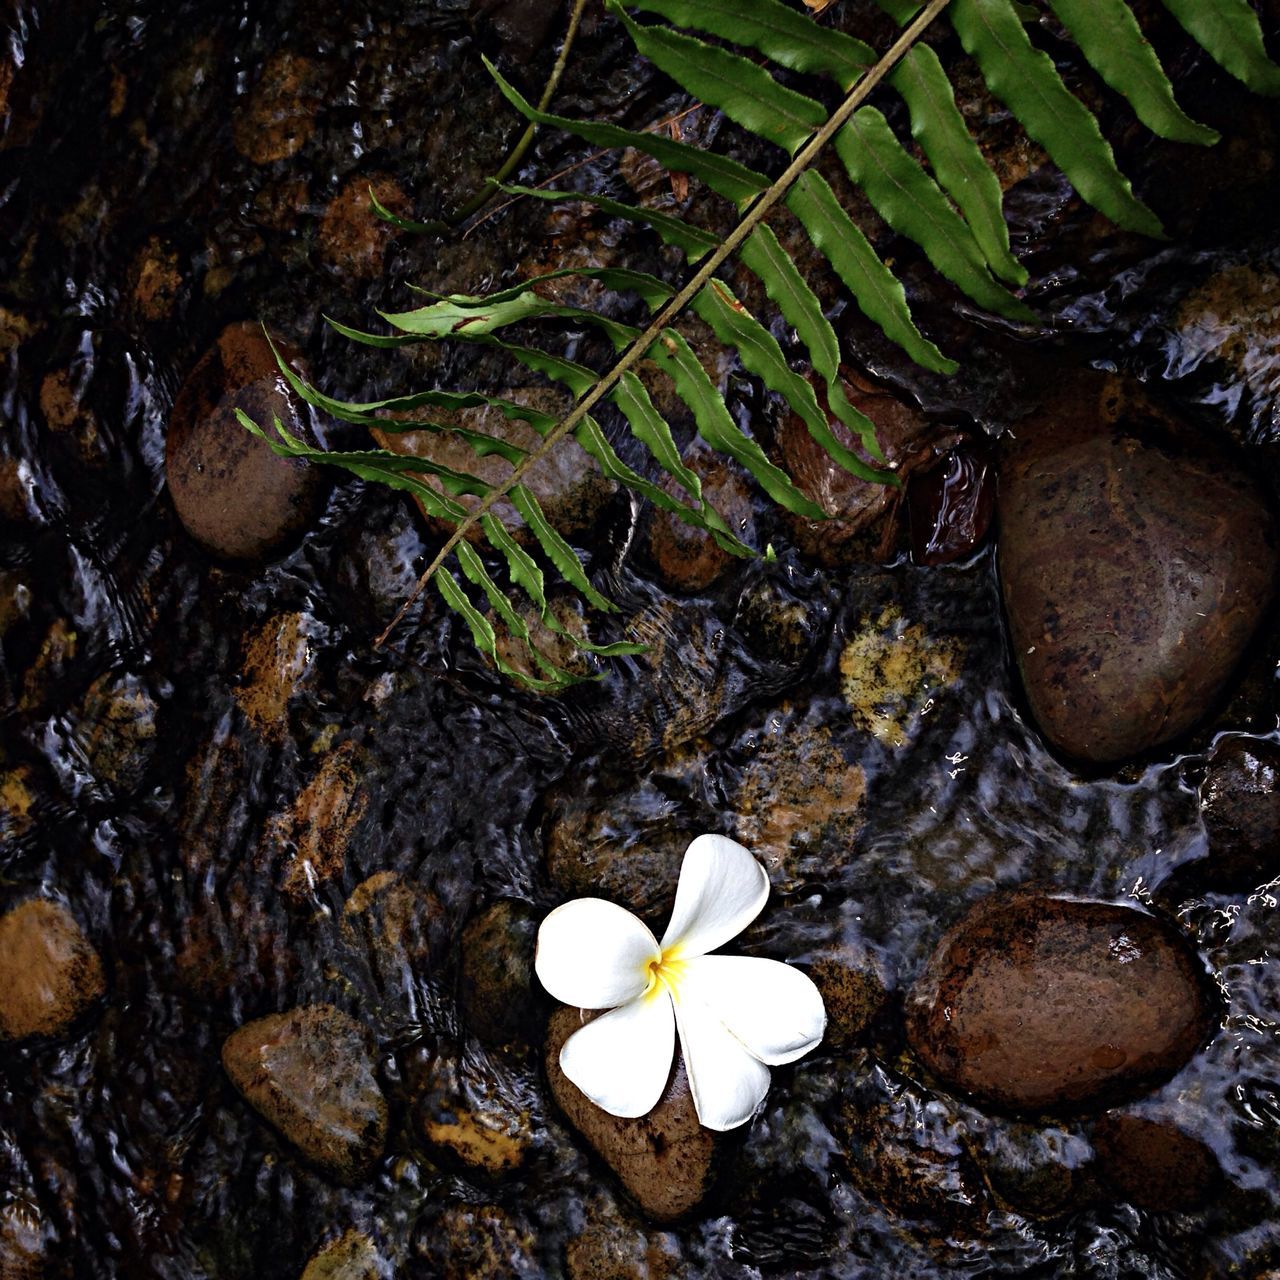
<point>163,714</point>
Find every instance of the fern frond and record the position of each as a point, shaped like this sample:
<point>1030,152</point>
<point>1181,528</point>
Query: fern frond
<point>943,197</point>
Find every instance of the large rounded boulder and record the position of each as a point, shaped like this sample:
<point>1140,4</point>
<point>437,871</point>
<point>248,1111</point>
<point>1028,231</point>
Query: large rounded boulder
<point>1036,1003</point>
<point>1136,561</point>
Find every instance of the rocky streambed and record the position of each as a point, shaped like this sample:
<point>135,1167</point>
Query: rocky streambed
<point>1005,738</point>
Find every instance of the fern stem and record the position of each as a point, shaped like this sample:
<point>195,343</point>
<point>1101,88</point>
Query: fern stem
<point>637,350</point>
<point>482,197</point>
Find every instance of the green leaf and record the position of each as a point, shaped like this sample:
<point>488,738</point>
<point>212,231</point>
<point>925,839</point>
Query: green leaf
<point>876,289</point>
<point>726,177</point>
<point>913,205</point>
<point>675,357</point>
<point>1229,31</point>
<point>692,241</point>
<point>745,92</point>
<point>525,573</point>
<point>901,11</point>
<point>784,36</point>
<point>1113,42</point>
<point>557,550</point>
<point>475,572</point>
<point>768,260</point>
<point>435,227</point>
<point>593,441</point>
<point>760,353</point>
<point>483,635</point>
<point>939,128</point>
<point>1029,84</point>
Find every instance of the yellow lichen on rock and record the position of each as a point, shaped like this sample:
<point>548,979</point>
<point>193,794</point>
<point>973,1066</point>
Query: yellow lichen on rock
<point>891,670</point>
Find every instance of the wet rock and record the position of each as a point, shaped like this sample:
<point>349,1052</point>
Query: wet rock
<point>314,836</point>
<point>778,627</point>
<point>799,803</point>
<point>66,413</point>
<point>1111,494</point>
<point>310,1073</point>
<point>155,280</point>
<point>399,927</point>
<point>14,505</point>
<point>853,993</point>
<point>1033,1003</point>
<point>665,1159</point>
<point>521,25</point>
<point>352,1256</point>
<point>497,994</point>
<point>468,1116</point>
<point>568,484</point>
<point>1041,1173</point>
<point>23,1247</point>
<point>52,665</point>
<point>278,663</point>
<point>1240,805</point>
<point>1155,1166</point>
<point>616,1250</point>
<point>233,495</point>
<point>855,507</point>
<point>50,973</point>
<point>905,1150</point>
<point>278,118</point>
<point>951,504</point>
<point>558,648</point>
<point>477,1242</point>
<point>353,239</point>
<point>16,802</point>
<point>625,844</point>
<point>116,729</point>
<point>686,558</point>
<point>892,671</point>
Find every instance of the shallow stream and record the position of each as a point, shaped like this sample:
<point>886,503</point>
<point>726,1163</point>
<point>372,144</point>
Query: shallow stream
<point>169,724</point>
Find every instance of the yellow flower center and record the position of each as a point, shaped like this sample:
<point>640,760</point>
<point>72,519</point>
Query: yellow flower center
<point>664,973</point>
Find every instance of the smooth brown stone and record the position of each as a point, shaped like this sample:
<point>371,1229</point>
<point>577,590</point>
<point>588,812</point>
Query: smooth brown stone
<point>1240,805</point>
<point>1035,1003</point>
<point>664,1159</point>
<point>1136,560</point>
<point>310,1073</point>
<point>49,972</point>
<point>1155,1166</point>
<point>233,495</point>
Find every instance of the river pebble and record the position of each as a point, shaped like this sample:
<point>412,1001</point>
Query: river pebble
<point>49,971</point>
<point>310,1073</point>
<point>1155,1166</point>
<point>1240,805</point>
<point>1034,1003</point>
<point>233,495</point>
<point>665,1159</point>
<point>1136,560</point>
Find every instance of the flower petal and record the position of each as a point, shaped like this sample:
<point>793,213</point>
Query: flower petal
<point>622,1060</point>
<point>773,1009</point>
<point>721,890</point>
<point>728,1084</point>
<point>594,954</point>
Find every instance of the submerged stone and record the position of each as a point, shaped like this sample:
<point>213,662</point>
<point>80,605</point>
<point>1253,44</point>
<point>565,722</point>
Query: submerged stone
<point>664,1159</point>
<point>49,971</point>
<point>310,1073</point>
<point>687,558</point>
<point>352,1256</point>
<point>497,994</point>
<point>233,495</point>
<point>1136,560</point>
<point>1155,1166</point>
<point>1035,1003</point>
<point>1240,805</point>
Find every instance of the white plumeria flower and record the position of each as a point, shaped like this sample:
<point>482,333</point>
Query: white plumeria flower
<point>736,1015</point>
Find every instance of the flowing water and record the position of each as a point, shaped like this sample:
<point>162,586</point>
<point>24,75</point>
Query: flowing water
<point>163,714</point>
